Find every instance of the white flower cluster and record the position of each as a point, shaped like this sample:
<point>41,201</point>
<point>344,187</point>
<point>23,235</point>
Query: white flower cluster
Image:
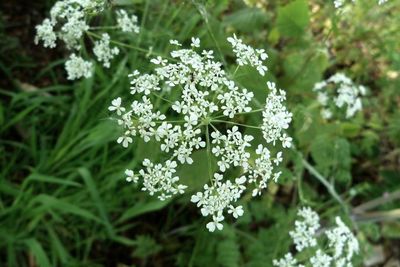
<point>158,178</point>
<point>246,55</point>
<point>103,51</point>
<point>68,22</point>
<point>126,23</point>
<point>339,92</point>
<point>342,244</point>
<point>203,103</point>
<point>77,67</point>
<point>275,117</point>
<point>340,3</point>
<point>305,229</point>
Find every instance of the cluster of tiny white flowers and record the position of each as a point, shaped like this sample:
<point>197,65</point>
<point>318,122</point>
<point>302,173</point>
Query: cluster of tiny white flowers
<point>68,22</point>
<point>103,51</point>
<point>246,55</point>
<point>230,149</point>
<point>305,229</point>
<point>203,98</point>
<point>77,67</point>
<point>287,261</point>
<point>276,118</point>
<point>158,178</point>
<point>218,197</point>
<point>340,3</point>
<point>342,244</point>
<point>126,23</point>
<point>339,91</point>
<point>320,259</point>
<point>262,170</point>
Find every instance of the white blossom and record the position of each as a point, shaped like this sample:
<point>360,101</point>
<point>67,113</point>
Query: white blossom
<point>305,229</point>
<point>342,241</point>
<point>203,92</point>
<point>77,67</point>
<point>126,23</point>
<point>276,117</point>
<point>161,179</point>
<point>246,55</point>
<point>218,197</point>
<point>130,176</point>
<point>320,259</point>
<point>103,51</point>
<point>287,261</point>
<point>45,33</point>
<point>68,23</point>
<point>339,93</point>
<point>116,105</point>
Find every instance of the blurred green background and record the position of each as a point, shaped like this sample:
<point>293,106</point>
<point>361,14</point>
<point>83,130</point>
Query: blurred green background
<point>63,197</point>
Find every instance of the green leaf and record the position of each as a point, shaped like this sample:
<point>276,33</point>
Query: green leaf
<point>50,179</point>
<point>293,18</point>
<point>48,203</point>
<point>196,174</point>
<point>303,70</point>
<point>96,200</point>
<point>38,252</point>
<point>142,208</point>
<point>246,20</point>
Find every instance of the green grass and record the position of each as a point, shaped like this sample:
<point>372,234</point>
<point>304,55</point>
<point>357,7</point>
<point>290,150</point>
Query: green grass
<point>63,197</point>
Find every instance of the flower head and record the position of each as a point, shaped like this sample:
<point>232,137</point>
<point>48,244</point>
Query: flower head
<point>77,67</point>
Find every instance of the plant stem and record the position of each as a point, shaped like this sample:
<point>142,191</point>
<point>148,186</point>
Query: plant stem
<point>236,123</point>
<point>325,182</point>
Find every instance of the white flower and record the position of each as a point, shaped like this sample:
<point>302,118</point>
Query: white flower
<point>175,42</point>
<point>342,92</point>
<point>161,179</point>
<point>246,55</point>
<point>278,158</point>
<point>195,42</point>
<point>262,171</point>
<point>103,51</point>
<point>116,105</point>
<point>126,23</point>
<point>77,67</point>
<point>236,212</point>
<point>287,261</point>
<point>130,176</point>
<point>276,117</point>
<point>286,141</point>
<point>342,241</point>
<point>215,224</point>
<point>231,148</point>
<point>124,140</point>
<point>45,33</point>
<point>304,234</point>
<point>199,92</point>
<point>320,259</point>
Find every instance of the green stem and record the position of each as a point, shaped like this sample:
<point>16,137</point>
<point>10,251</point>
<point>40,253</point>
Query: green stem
<point>325,182</point>
<point>209,154</point>
<point>124,45</point>
<point>236,123</point>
